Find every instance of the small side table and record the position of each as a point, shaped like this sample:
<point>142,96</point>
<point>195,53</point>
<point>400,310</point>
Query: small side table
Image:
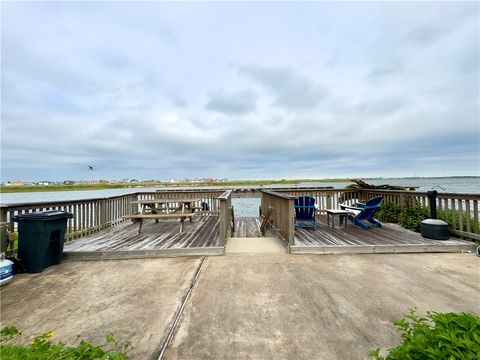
<point>339,213</point>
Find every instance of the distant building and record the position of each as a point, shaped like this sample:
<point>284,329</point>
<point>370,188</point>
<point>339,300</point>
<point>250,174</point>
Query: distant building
<point>17,182</point>
<point>45,183</point>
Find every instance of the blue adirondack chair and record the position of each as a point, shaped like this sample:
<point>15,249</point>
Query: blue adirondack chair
<point>305,212</point>
<point>363,215</point>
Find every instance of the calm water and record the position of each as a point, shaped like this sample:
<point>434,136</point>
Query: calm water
<point>449,185</point>
<point>248,206</point>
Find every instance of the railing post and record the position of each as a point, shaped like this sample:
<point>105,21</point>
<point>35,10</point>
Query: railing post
<point>329,201</point>
<point>3,231</point>
<point>291,223</point>
<point>103,213</point>
<point>232,219</point>
<point>222,228</point>
<point>224,208</point>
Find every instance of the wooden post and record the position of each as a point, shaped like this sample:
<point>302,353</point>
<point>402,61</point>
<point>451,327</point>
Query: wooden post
<point>460,214</point>
<point>291,223</point>
<point>224,216</point>
<point>3,231</point>
<point>103,214</point>
<point>468,213</point>
<point>232,214</point>
<point>329,202</point>
<point>475,216</point>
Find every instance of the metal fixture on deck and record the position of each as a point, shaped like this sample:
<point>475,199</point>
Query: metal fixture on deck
<point>433,228</point>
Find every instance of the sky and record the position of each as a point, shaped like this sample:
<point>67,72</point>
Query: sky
<point>239,90</point>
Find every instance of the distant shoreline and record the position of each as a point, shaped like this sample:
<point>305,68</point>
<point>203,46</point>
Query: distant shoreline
<point>84,187</point>
<point>81,187</point>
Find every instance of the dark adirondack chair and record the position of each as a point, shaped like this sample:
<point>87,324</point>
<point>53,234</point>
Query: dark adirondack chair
<point>305,212</point>
<point>363,215</point>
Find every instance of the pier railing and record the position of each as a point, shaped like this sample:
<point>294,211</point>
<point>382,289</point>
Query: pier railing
<point>92,215</point>
<point>227,221</point>
<point>209,197</point>
<point>89,215</point>
<point>282,214</point>
<point>461,211</point>
<point>325,198</point>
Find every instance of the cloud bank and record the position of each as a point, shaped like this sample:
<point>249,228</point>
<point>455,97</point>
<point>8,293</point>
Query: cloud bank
<point>239,90</point>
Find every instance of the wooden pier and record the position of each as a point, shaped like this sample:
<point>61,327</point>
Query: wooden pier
<point>247,227</point>
<point>200,237</point>
<point>391,238</point>
<point>99,230</point>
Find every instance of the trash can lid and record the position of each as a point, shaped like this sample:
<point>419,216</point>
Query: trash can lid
<point>434,222</point>
<point>43,215</point>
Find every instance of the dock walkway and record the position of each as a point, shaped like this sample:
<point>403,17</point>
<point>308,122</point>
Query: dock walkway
<point>391,238</point>
<point>199,237</point>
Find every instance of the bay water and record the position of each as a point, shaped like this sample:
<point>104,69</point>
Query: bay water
<point>249,206</point>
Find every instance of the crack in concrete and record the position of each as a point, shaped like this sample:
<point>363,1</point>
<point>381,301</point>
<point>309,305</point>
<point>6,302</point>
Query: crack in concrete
<point>180,311</point>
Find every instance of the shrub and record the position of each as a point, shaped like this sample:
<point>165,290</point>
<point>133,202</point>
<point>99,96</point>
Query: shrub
<point>437,336</point>
<point>389,213</point>
<point>411,217</point>
<point>42,347</point>
<point>447,215</point>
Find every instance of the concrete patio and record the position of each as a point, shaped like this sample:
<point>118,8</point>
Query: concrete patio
<point>245,305</point>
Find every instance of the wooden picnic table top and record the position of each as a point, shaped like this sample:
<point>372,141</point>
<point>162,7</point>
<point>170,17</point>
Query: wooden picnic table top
<point>163,201</point>
<point>158,216</point>
<point>336,211</point>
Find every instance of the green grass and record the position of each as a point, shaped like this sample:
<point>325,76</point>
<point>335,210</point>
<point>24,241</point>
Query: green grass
<point>80,187</point>
<point>43,188</point>
<point>43,347</point>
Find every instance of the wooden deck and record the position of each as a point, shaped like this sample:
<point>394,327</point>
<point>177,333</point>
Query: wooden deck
<point>199,237</point>
<point>247,227</point>
<point>391,238</point>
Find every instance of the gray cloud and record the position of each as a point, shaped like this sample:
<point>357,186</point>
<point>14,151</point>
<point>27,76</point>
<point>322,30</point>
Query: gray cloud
<point>381,106</point>
<point>289,89</point>
<point>379,73</point>
<point>234,103</point>
<point>131,101</point>
<point>426,35</point>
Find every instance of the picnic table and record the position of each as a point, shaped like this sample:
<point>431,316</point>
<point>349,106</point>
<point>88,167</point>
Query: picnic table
<point>149,209</point>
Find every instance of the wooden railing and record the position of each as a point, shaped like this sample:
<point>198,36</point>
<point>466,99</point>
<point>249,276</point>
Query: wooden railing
<point>210,197</point>
<point>89,215</point>
<point>226,216</point>
<point>461,211</point>
<point>282,214</point>
<point>325,198</point>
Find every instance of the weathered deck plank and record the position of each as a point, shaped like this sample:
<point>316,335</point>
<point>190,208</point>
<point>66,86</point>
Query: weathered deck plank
<point>390,238</point>
<point>247,227</point>
<point>202,232</point>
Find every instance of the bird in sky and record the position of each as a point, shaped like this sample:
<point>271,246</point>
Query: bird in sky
<point>90,167</point>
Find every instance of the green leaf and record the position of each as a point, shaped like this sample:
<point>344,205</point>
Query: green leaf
<point>8,333</point>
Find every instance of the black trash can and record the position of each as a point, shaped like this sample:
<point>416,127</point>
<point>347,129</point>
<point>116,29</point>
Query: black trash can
<point>40,238</point>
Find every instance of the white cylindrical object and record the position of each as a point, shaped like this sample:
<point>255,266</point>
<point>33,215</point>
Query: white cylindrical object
<point>6,271</point>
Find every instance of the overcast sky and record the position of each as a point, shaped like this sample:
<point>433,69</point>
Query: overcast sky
<point>239,90</point>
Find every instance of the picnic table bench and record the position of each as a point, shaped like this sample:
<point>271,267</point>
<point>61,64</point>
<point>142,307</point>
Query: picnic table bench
<point>140,217</point>
<point>150,210</point>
